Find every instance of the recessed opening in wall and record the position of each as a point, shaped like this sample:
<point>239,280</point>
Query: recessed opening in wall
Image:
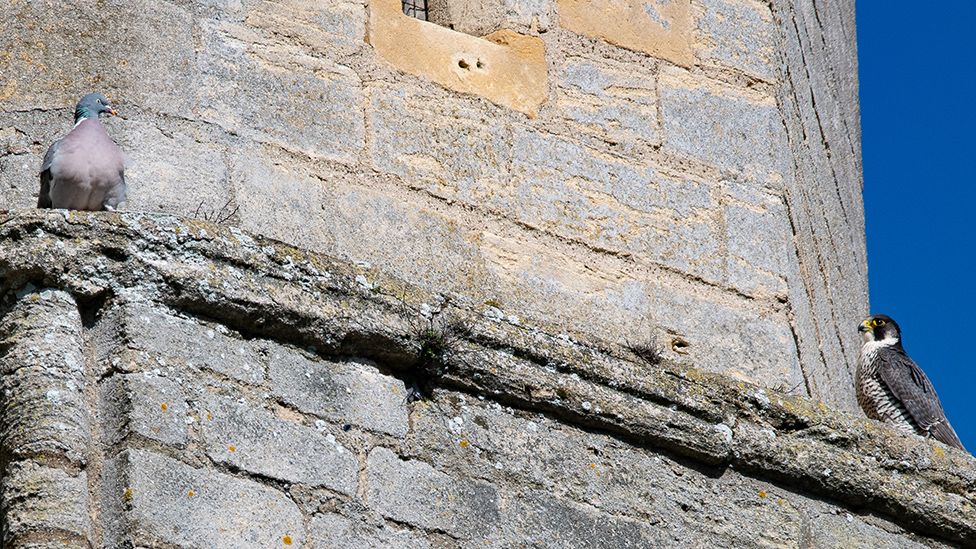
<point>474,17</point>
<point>415,8</point>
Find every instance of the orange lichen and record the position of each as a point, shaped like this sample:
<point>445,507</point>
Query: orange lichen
<point>190,494</point>
<point>938,452</point>
<point>593,466</point>
<point>164,406</point>
<point>209,416</point>
<point>232,448</point>
<point>127,494</point>
<point>286,539</point>
<point>762,493</point>
<point>464,443</point>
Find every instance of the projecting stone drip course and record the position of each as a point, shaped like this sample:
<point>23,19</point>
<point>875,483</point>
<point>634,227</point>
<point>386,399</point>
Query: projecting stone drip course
<point>293,426</point>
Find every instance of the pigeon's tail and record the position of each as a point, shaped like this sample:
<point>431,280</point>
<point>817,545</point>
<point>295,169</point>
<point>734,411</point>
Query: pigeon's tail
<point>44,197</point>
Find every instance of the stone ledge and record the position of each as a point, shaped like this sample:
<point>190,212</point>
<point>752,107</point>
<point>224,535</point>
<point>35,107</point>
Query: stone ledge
<point>263,287</point>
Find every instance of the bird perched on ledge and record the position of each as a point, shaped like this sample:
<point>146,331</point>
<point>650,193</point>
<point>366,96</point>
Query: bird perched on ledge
<point>84,169</point>
<point>892,388</point>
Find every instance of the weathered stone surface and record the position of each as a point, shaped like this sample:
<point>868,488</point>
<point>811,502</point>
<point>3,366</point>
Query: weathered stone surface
<point>756,265</point>
<point>505,67</point>
<point>415,493</point>
<point>331,530</point>
<point>39,501</point>
<point>279,94</point>
<point>257,182</point>
<point>661,28</point>
<point>828,281</point>
<point>255,441</point>
<point>159,500</point>
<point>738,34</point>
<point>576,192</point>
<point>143,404</point>
<point>44,413</point>
<point>469,437</point>
<point>713,443</point>
<point>723,126</point>
<point>481,18</point>
<point>367,162</point>
<point>169,171</point>
<point>151,55</point>
<point>152,331</point>
<point>451,148</point>
<point>343,392</point>
<point>540,520</point>
<point>614,102</point>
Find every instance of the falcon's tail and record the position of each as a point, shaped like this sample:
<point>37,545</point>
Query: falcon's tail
<point>944,433</point>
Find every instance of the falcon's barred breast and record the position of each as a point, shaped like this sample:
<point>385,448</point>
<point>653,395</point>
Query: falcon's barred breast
<point>892,388</point>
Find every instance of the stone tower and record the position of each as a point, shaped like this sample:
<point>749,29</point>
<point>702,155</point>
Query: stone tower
<point>446,235</point>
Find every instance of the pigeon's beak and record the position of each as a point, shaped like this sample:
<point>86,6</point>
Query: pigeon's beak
<point>113,112</point>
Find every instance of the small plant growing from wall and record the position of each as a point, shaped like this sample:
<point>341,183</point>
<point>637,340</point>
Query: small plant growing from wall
<point>434,335</point>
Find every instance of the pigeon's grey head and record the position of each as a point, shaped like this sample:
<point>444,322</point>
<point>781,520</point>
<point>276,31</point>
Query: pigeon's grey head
<point>879,328</point>
<point>93,105</point>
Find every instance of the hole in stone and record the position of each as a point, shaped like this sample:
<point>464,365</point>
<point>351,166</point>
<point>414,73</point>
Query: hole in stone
<point>680,345</point>
<point>480,64</point>
<point>463,64</point>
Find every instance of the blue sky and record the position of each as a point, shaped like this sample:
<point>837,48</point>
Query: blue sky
<point>918,117</point>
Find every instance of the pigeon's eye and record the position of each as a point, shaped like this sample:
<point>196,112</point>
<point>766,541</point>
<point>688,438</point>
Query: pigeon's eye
<point>99,101</point>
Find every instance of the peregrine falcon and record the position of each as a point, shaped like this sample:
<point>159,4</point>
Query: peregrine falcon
<point>892,388</point>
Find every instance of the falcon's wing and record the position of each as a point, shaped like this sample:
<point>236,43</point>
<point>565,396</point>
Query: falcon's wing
<point>44,196</point>
<point>910,385</point>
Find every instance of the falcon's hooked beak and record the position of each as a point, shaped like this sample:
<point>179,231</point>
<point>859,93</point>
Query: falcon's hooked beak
<point>864,327</point>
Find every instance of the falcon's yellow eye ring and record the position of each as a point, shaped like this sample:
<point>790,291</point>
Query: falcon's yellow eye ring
<point>877,322</point>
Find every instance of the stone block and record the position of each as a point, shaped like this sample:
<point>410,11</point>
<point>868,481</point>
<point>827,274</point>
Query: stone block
<point>170,171</point>
<point>661,28</point>
<point>24,138</point>
<point>415,493</point>
<point>539,519</point>
<point>255,441</point>
<point>284,95</point>
<point>339,532</point>
<point>738,34</point>
<point>431,139</point>
<point>329,29</point>
<point>504,67</point>
<point>722,126</point>
<point>42,500</point>
<point>399,233</point>
<point>150,330</point>
<point>610,203</point>
<point>143,404</point>
<point>610,101</point>
<point>152,500</point>
<point>757,265</point>
<point>149,61</point>
<point>346,392</point>
<point>302,206</point>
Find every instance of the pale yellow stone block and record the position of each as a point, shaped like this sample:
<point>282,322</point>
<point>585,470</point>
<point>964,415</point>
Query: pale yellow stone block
<point>504,67</point>
<point>661,28</point>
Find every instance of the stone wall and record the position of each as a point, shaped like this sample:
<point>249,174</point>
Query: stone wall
<point>685,172</point>
<point>172,383</point>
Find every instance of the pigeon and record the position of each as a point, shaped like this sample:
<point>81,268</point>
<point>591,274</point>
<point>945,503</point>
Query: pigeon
<point>83,169</point>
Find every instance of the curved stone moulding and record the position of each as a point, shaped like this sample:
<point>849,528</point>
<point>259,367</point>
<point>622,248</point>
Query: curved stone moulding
<point>125,294</point>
